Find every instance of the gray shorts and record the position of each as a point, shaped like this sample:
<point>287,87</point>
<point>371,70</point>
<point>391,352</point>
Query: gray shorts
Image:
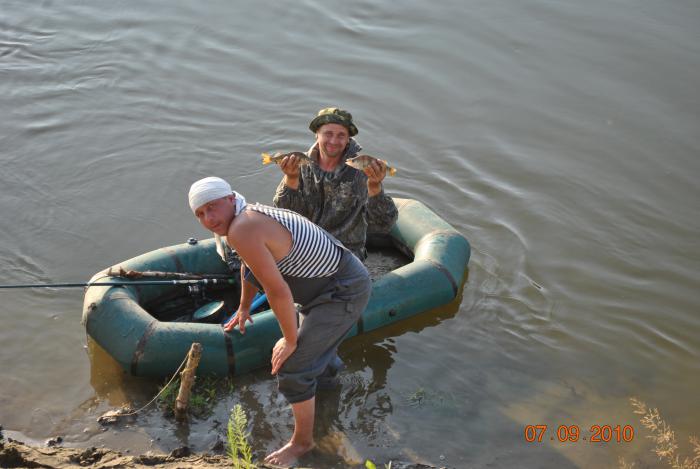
<point>331,306</point>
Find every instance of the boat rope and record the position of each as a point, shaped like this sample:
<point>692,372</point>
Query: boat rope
<point>119,414</point>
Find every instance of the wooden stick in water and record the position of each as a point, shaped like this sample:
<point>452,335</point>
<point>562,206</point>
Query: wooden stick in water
<point>186,380</point>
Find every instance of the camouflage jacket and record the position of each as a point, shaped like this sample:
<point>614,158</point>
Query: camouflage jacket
<point>338,201</point>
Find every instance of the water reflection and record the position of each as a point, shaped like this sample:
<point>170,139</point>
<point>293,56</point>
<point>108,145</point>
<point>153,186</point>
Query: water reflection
<point>106,375</point>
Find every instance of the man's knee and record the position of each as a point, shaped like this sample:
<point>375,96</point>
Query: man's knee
<point>296,387</point>
<point>298,378</point>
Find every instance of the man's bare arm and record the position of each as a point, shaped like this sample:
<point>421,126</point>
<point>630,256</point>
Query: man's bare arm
<point>250,245</point>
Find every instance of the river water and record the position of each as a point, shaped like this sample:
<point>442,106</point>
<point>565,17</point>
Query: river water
<point>561,138</point>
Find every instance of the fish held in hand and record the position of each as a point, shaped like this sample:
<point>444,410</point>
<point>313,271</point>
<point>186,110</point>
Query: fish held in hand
<point>278,157</point>
<point>363,161</point>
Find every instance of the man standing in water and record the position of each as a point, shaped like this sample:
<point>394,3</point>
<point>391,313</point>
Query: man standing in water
<point>293,260</point>
<point>344,201</point>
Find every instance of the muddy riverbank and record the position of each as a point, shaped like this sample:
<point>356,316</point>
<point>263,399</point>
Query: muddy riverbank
<point>17,454</point>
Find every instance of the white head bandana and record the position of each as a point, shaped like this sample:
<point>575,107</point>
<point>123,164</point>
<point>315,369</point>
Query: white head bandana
<point>212,188</point>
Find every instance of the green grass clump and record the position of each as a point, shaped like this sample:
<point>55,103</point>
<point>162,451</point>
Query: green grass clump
<point>238,448</point>
<point>370,465</point>
<point>167,394</point>
<point>202,397</point>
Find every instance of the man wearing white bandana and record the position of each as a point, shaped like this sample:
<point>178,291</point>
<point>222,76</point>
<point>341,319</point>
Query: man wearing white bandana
<point>209,189</point>
<point>293,260</point>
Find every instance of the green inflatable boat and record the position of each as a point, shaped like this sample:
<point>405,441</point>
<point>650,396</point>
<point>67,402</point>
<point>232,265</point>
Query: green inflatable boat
<point>148,328</point>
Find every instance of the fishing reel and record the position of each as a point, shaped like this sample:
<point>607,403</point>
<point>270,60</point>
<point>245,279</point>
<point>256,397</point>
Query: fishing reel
<point>198,293</point>
<point>205,308</point>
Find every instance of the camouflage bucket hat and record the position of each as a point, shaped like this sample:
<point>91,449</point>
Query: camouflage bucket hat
<point>333,115</point>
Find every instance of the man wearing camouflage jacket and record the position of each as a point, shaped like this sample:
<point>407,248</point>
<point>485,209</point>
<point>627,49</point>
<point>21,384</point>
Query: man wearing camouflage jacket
<point>344,201</point>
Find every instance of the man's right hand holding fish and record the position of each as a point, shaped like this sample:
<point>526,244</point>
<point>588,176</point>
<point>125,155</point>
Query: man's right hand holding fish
<point>290,167</point>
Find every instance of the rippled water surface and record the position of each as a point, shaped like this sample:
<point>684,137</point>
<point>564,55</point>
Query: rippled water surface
<point>561,138</point>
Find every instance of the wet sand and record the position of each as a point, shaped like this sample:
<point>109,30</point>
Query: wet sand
<point>15,454</point>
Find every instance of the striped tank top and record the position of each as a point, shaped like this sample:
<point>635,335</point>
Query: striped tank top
<point>314,252</point>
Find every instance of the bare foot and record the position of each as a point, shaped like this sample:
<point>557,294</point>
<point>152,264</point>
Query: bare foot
<point>288,454</point>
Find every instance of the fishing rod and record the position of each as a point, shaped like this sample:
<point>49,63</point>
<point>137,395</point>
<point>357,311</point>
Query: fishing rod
<point>202,281</point>
<point>121,272</point>
<point>182,278</point>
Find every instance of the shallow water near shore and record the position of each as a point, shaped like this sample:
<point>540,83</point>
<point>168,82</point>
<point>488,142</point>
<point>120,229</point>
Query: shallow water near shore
<point>560,138</point>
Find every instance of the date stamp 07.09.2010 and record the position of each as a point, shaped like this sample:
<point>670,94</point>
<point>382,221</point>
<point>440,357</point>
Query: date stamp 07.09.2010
<point>572,434</point>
